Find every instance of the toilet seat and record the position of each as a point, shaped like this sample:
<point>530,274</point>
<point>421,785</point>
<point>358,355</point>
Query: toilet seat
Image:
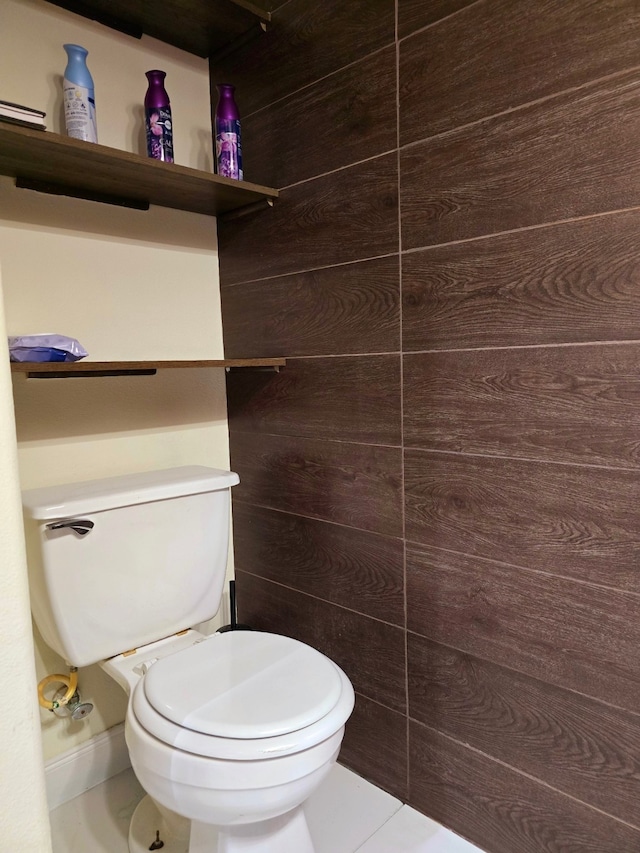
<point>244,685</point>
<point>243,696</point>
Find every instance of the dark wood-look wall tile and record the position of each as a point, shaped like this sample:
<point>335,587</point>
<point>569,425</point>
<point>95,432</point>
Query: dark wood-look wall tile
<point>338,310</point>
<point>353,568</point>
<point>372,653</point>
<point>501,810</point>
<point>375,746</point>
<point>414,14</point>
<point>341,119</point>
<point>305,41</point>
<point>574,635</point>
<point>496,56</point>
<point>567,520</point>
<point>348,215</point>
<point>356,398</point>
<point>353,484</point>
<point>566,404</point>
<point>581,747</point>
<point>553,160</point>
<point>577,281</point>
<point>318,513</point>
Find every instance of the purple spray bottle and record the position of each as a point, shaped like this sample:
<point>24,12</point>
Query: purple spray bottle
<point>227,129</point>
<point>157,110</point>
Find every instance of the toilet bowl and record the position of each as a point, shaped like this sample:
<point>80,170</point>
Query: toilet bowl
<point>229,734</point>
<point>233,733</point>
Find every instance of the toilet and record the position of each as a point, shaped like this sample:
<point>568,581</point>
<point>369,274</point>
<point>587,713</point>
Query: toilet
<point>228,733</point>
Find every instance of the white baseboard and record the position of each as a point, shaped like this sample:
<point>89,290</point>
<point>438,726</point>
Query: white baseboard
<point>74,772</point>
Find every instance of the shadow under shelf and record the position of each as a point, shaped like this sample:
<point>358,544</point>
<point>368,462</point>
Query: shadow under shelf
<point>85,369</point>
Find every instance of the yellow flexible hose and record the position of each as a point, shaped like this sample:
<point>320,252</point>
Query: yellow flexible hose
<point>70,680</point>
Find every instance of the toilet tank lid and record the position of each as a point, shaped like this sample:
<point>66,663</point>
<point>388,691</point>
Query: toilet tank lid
<point>70,499</point>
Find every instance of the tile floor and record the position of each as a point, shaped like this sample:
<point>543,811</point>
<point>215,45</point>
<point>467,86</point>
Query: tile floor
<point>345,815</point>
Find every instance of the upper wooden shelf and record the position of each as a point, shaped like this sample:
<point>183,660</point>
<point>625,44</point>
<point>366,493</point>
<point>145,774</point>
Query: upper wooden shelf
<point>202,27</point>
<point>63,369</point>
<point>58,164</point>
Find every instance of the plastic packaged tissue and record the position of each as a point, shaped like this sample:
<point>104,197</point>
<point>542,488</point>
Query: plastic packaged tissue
<point>45,348</point>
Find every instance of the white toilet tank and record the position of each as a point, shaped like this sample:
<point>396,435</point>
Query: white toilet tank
<point>151,562</point>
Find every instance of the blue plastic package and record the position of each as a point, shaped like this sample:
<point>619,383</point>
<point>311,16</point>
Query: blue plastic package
<point>40,348</point>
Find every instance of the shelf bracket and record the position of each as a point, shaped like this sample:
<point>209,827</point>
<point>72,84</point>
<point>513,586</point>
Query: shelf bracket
<point>259,11</point>
<point>52,188</point>
<point>246,210</point>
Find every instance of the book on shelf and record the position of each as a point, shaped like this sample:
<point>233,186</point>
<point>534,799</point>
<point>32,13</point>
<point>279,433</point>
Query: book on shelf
<point>19,114</point>
<point>34,125</point>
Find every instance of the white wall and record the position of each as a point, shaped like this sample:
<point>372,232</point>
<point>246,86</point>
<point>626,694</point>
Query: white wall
<point>127,284</point>
<point>24,827</point>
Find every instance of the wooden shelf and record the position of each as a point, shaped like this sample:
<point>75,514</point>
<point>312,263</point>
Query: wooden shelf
<point>64,369</point>
<point>202,27</point>
<point>60,165</point>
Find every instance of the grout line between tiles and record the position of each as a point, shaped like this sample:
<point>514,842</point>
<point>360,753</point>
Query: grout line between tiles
<point>555,345</point>
<point>448,243</point>
<point>536,226</point>
<point>530,569</point>
<point>511,668</point>
<point>319,79</point>
<point>439,21</point>
<point>395,537</point>
<point>529,776</point>
<point>299,437</point>
<point>442,351</point>
<point>455,453</point>
<point>373,157</point>
<point>331,604</point>
<point>310,269</point>
<point>402,420</point>
<point>527,459</point>
<point>376,831</point>
<point>571,90</point>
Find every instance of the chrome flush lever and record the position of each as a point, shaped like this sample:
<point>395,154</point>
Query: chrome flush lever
<point>81,526</point>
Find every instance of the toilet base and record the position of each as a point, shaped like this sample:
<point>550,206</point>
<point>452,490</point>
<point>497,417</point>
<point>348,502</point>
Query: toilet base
<point>146,822</point>
<point>282,834</point>
<point>286,833</point>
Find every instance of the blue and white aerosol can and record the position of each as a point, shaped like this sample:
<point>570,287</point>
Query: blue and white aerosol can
<point>79,98</point>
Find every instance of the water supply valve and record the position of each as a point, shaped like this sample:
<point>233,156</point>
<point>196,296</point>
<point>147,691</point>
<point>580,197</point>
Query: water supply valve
<point>66,701</point>
<point>74,707</point>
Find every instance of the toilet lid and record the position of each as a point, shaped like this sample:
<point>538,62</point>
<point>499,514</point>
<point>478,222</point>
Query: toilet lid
<point>244,684</point>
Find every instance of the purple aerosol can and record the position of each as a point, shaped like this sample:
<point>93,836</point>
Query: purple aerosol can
<point>227,130</point>
<point>157,111</point>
